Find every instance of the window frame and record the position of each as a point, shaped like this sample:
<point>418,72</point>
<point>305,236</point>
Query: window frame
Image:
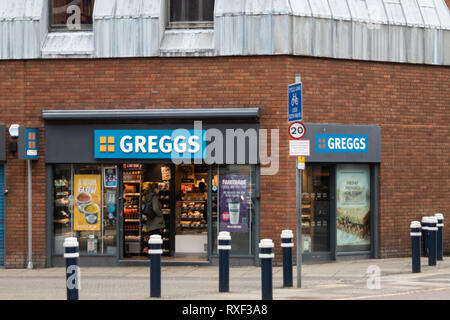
<point>187,24</point>
<point>63,28</point>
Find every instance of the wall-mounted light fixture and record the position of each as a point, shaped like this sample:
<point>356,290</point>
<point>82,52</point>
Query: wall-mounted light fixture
<point>14,133</point>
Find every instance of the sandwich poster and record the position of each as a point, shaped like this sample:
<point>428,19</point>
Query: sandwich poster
<point>87,202</point>
<point>234,211</point>
<point>353,205</point>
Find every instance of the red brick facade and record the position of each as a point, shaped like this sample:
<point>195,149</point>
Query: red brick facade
<point>410,102</point>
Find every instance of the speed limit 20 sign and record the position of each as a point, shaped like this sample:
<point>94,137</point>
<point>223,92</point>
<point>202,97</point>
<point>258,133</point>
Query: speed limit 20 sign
<point>297,130</point>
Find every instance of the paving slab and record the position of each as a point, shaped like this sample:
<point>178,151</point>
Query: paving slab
<point>336,280</point>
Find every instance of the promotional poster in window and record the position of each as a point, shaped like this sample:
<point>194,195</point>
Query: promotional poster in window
<point>353,205</point>
<point>87,202</point>
<point>234,210</point>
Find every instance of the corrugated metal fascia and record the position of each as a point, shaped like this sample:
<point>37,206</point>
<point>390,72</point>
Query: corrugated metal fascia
<point>340,10</point>
<point>104,9</point>
<point>444,14</point>
<point>320,9</point>
<point>229,8</point>
<point>300,8</point>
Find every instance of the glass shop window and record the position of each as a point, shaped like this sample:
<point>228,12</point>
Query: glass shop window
<point>71,14</point>
<point>85,207</point>
<point>353,207</point>
<point>191,13</point>
<point>233,198</point>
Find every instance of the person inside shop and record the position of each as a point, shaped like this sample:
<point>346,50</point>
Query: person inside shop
<point>155,225</point>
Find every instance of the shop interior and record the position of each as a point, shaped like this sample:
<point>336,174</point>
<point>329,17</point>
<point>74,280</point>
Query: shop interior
<point>316,208</point>
<point>101,204</point>
<point>183,200</point>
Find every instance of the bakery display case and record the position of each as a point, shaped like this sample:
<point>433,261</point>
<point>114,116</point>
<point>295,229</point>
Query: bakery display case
<point>132,184</point>
<point>192,219</point>
<point>62,218</point>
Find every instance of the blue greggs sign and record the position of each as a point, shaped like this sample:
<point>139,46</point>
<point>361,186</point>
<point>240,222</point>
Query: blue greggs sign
<point>149,144</point>
<point>342,143</point>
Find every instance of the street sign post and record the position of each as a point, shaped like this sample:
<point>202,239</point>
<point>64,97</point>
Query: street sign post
<point>295,102</point>
<point>299,148</point>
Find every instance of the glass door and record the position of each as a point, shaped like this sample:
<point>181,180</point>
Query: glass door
<point>316,208</point>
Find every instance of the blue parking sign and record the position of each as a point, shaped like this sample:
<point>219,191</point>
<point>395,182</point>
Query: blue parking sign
<point>295,102</point>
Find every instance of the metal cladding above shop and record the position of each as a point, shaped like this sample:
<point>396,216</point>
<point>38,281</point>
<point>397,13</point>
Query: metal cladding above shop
<point>408,31</point>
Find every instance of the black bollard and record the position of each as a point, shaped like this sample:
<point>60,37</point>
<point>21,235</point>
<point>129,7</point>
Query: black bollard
<point>71,255</point>
<point>266,255</point>
<point>224,248</point>
<point>440,237</point>
<point>432,243</point>
<point>155,252</point>
<point>425,233</point>
<point>287,244</point>
<point>415,243</point>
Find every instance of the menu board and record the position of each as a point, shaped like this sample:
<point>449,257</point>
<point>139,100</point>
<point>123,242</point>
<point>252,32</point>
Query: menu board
<point>234,210</point>
<point>353,205</point>
<point>110,177</point>
<point>87,202</point>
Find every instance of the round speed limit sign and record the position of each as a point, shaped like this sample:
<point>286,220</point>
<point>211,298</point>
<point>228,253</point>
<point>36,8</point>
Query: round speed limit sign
<point>297,130</point>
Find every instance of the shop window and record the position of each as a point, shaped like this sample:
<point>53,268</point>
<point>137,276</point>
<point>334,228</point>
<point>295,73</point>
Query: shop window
<point>71,14</point>
<point>233,206</point>
<point>85,207</point>
<point>316,208</point>
<point>353,207</point>
<point>191,13</point>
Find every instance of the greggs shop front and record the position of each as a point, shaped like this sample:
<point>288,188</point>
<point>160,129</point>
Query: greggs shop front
<point>100,164</point>
<point>340,192</point>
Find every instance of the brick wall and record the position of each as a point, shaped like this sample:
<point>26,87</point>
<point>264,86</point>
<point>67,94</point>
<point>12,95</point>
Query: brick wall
<point>409,102</point>
<point>448,3</point>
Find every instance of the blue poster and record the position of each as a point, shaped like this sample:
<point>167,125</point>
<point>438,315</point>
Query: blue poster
<point>234,209</point>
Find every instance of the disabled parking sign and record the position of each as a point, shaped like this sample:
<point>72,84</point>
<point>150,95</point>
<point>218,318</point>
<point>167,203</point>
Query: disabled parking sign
<point>295,102</point>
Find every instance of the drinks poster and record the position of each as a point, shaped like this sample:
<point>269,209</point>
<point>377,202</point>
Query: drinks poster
<point>234,210</point>
<point>87,202</point>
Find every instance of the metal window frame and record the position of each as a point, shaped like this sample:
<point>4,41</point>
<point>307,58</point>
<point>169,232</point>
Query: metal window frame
<point>188,24</point>
<point>63,28</point>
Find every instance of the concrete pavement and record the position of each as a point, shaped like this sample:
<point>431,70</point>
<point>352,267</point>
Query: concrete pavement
<point>364,279</point>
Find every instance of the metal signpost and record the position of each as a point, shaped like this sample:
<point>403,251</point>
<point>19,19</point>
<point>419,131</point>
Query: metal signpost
<point>28,150</point>
<point>299,148</point>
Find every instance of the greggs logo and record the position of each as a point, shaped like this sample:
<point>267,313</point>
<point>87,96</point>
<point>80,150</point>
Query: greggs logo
<point>342,143</point>
<point>107,144</point>
<point>149,144</point>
